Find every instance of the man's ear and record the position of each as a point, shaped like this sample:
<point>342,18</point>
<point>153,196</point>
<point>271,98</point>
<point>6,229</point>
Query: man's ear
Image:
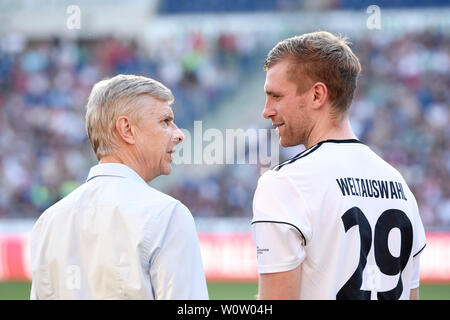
<point>125,130</point>
<point>320,94</point>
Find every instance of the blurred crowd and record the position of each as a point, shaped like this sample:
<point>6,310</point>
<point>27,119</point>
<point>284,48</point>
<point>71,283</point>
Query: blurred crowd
<point>44,86</point>
<point>401,110</point>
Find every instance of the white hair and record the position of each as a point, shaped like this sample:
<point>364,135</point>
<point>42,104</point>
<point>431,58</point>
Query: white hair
<point>115,97</point>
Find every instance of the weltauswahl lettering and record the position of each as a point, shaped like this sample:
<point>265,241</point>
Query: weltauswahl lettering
<point>371,188</point>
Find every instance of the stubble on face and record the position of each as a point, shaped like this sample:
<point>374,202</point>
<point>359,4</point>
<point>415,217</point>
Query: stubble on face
<point>301,124</point>
<point>292,107</point>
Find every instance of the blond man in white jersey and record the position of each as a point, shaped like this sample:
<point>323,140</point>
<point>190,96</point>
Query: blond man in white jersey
<point>336,221</point>
<point>115,237</point>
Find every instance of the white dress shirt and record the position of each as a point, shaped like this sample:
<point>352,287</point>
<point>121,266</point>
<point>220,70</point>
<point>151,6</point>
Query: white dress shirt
<point>115,237</point>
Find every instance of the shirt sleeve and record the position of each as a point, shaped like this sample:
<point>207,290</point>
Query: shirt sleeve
<point>38,278</point>
<point>33,294</point>
<point>176,267</point>
<point>280,226</point>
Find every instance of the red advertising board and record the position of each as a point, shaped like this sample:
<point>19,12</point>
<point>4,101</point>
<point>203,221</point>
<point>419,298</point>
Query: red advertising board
<point>226,257</point>
<point>435,259</point>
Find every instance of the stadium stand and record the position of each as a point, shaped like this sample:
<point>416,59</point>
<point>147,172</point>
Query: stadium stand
<point>401,109</point>
<point>215,6</point>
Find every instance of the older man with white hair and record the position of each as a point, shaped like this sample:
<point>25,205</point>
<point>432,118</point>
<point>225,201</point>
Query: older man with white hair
<point>115,237</point>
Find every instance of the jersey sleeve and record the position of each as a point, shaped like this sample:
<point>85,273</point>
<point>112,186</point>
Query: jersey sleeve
<point>176,267</point>
<point>415,280</point>
<point>280,226</point>
<point>419,243</point>
<point>419,239</point>
<point>278,247</point>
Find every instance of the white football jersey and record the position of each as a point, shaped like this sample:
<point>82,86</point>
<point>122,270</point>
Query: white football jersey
<point>347,216</point>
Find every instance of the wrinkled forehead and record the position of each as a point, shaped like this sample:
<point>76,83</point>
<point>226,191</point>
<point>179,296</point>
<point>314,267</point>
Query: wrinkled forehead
<point>154,106</point>
<point>148,108</point>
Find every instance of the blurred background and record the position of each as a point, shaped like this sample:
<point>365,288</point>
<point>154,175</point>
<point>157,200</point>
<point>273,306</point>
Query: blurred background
<point>210,53</point>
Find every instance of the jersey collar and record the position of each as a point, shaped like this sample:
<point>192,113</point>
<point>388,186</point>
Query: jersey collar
<point>340,141</point>
<point>310,150</point>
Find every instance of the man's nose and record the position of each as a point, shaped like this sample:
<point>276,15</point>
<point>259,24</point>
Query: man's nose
<point>178,134</point>
<point>268,111</point>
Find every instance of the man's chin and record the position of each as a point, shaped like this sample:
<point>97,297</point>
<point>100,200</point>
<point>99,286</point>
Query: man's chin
<point>166,170</point>
<point>285,143</point>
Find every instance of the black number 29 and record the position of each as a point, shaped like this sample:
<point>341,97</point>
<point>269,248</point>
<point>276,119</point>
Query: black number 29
<point>386,262</point>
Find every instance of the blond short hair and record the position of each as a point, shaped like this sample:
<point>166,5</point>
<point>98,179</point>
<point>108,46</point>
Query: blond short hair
<point>115,97</point>
<point>321,57</point>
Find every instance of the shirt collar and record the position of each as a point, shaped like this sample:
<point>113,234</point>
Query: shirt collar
<point>113,170</point>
